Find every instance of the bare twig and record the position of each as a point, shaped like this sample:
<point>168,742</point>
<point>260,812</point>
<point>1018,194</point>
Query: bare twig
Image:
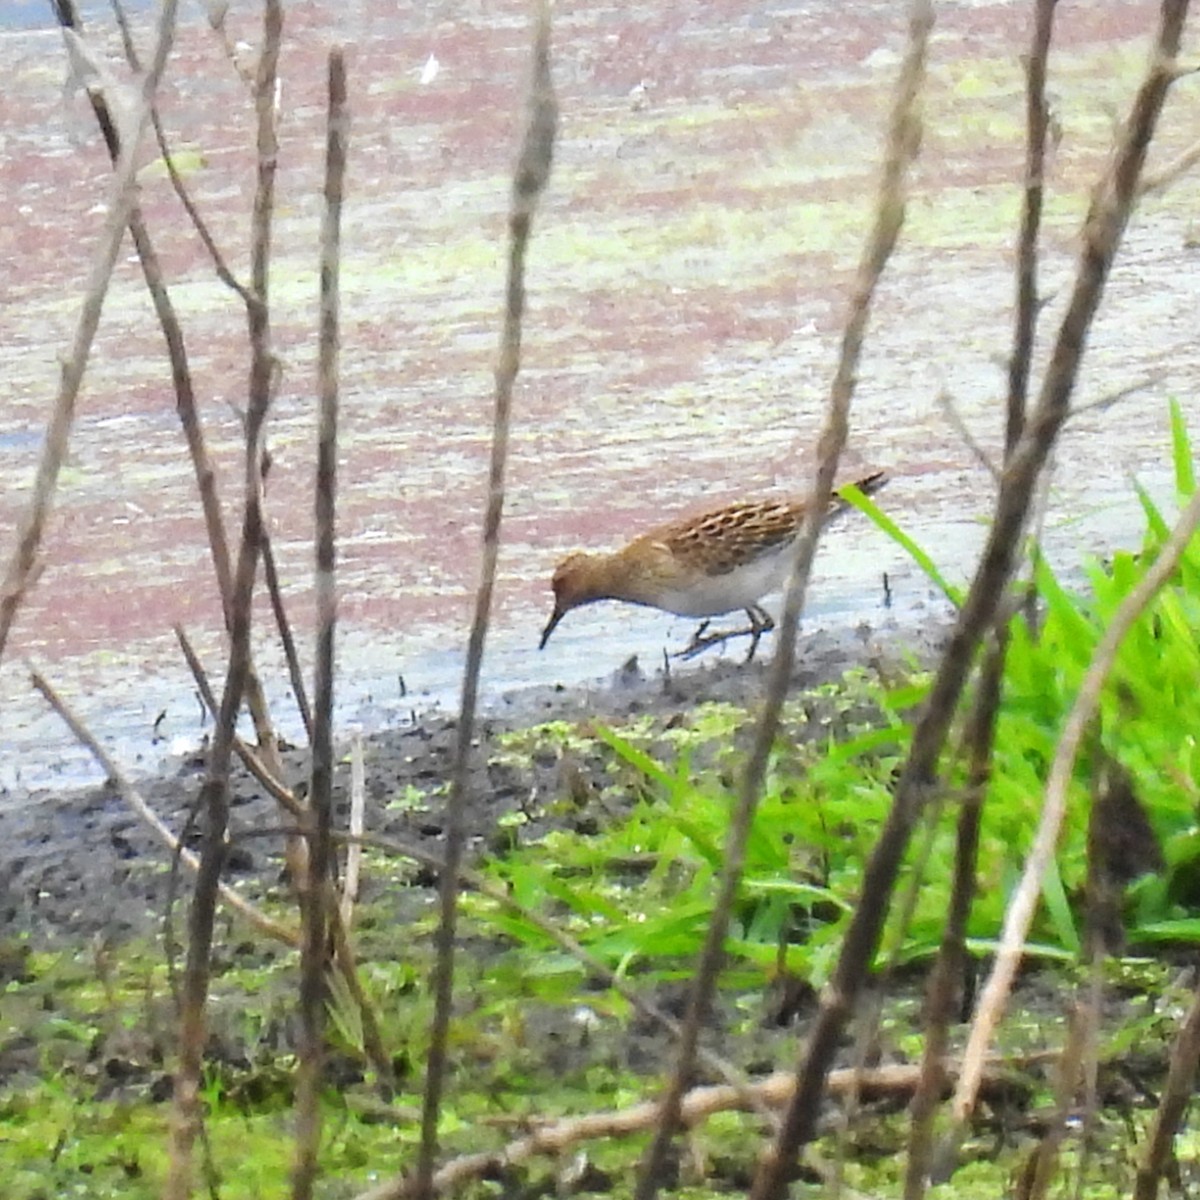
<point>181,375</point>
<point>1021,907</point>
<point>358,800</point>
<point>903,143</point>
<point>263,772</point>
<point>215,794</point>
<point>317,890</point>
<point>343,948</point>
<point>291,657</point>
<point>224,274</point>
<point>1037,117</point>
<point>1180,165</point>
<point>22,566</point>
<point>946,977</point>
<point>1104,402</point>
<point>531,177</point>
<point>1177,1095</point>
<point>978,453</point>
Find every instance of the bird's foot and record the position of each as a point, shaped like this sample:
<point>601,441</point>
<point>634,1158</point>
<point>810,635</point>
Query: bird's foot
<point>702,641</point>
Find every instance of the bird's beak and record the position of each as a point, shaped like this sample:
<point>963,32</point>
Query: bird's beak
<point>556,616</point>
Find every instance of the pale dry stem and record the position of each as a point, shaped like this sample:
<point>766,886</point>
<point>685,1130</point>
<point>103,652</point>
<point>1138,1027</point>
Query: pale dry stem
<point>555,1138</point>
<point>530,178</point>
<point>903,144</point>
<point>1023,903</point>
<point>215,792</point>
<point>316,895</point>
<point>22,566</point>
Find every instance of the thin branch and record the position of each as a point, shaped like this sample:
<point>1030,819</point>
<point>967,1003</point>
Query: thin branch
<point>22,566</point>
<point>950,412</point>
<point>215,793</point>
<point>532,175</point>
<point>946,978</point>
<point>903,144</point>
<point>1177,1095</point>
<point>1160,180</point>
<point>283,625</point>
<point>316,891</point>
<point>358,801</point>
<point>253,763</point>
<point>1037,119</point>
<point>181,376</point>
<point>1023,904</point>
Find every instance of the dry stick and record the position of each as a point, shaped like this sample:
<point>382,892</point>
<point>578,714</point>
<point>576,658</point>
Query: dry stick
<point>1105,223</point>
<point>181,376</point>
<point>254,764</point>
<point>215,793</point>
<point>21,572</point>
<point>1024,900</point>
<point>950,411</point>
<point>903,141</point>
<point>1176,1096</point>
<point>264,366</point>
<point>1037,118</point>
<point>556,1137</point>
<point>902,146</point>
<point>948,970</point>
<point>358,802</point>
<point>316,889</point>
<point>292,658</point>
<point>532,175</point>
<point>372,1039</point>
<point>1074,1066</point>
<point>137,803</point>
<point>372,1035</point>
<point>1078,1061</point>
<point>1162,179</point>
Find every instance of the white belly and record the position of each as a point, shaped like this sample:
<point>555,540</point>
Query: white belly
<point>716,594</point>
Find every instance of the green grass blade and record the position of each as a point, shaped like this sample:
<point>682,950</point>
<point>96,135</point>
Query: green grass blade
<point>1181,452</point>
<point>1154,518</point>
<point>855,497</point>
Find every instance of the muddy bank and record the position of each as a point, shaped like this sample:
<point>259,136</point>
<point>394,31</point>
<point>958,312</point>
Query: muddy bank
<point>79,863</point>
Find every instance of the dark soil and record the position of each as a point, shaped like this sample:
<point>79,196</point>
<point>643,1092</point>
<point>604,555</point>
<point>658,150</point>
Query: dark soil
<point>80,863</point>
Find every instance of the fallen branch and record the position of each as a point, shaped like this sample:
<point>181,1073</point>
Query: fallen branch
<point>696,1106</point>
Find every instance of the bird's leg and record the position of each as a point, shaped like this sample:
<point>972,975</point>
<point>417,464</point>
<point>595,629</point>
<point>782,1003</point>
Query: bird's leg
<point>760,623</point>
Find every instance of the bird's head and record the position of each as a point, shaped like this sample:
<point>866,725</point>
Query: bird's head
<point>577,580</point>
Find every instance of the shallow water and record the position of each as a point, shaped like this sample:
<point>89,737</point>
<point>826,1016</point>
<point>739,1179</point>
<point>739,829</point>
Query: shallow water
<point>687,282</point>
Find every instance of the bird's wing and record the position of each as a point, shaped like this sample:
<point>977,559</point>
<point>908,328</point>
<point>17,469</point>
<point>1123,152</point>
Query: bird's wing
<point>721,541</point>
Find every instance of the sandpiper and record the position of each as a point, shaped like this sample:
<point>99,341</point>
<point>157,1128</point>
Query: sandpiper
<point>701,566</point>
